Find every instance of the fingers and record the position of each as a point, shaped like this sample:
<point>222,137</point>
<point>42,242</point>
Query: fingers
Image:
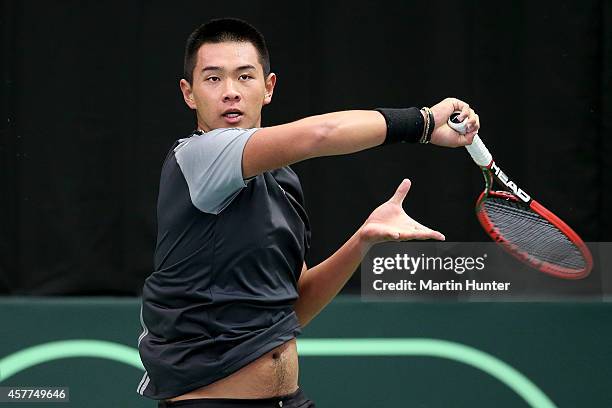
<point>458,105</point>
<point>400,193</point>
<point>471,121</point>
<point>419,233</point>
<point>415,233</point>
<point>467,113</point>
<point>469,138</point>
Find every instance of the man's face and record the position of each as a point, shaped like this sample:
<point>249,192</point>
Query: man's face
<point>228,88</point>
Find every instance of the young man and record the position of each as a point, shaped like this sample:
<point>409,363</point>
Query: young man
<point>230,290</point>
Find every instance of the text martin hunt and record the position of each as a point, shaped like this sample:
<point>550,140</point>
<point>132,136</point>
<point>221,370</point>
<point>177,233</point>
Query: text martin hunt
<point>430,285</point>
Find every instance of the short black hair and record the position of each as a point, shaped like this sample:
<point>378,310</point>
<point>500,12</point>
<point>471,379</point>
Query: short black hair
<point>223,30</point>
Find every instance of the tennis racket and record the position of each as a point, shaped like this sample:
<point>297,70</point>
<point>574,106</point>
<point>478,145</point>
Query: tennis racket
<point>521,225</point>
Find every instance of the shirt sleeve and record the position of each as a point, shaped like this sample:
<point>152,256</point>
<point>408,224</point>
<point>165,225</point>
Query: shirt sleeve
<point>212,166</point>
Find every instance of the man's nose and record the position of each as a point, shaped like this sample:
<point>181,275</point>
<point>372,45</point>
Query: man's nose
<point>230,93</point>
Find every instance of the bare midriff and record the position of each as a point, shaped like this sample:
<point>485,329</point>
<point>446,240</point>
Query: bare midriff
<point>271,375</point>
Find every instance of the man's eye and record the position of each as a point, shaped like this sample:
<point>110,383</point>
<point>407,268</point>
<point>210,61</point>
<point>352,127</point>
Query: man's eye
<point>212,79</point>
<point>244,77</point>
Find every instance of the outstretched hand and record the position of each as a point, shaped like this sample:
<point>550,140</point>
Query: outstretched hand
<point>444,135</point>
<point>389,222</point>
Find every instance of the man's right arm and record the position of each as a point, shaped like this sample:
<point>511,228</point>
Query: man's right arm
<point>342,133</point>
<point>322,135</point>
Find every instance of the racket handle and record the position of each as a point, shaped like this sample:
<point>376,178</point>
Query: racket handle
<point>479,152</point>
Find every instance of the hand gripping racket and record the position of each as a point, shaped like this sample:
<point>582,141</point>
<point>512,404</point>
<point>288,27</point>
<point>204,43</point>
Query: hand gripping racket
<point>521,225</point>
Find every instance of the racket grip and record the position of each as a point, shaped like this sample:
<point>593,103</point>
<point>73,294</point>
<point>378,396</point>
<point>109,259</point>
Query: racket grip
<point>479,152</point>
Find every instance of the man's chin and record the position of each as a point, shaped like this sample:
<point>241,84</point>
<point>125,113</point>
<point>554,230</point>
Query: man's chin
<point>239,124</point>
<point>243,123</point>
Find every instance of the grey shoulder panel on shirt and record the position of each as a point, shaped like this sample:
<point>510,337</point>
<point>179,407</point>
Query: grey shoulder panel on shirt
<point>212,166</point>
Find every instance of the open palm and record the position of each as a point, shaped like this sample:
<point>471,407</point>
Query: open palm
<point>389,222</point>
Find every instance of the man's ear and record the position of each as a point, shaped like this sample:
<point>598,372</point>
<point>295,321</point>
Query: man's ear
<point>270,83</point>
<point>187,93</point>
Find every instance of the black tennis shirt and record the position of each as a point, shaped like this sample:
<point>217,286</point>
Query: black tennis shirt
<point>228,257</point>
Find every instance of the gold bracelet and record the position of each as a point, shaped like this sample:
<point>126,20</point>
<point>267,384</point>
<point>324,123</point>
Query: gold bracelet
<point>423,138</point>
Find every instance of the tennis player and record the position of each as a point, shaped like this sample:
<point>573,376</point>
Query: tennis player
<point>230,290</point>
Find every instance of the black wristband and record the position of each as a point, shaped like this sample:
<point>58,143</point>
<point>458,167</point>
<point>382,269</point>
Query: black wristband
<point>403,125</point>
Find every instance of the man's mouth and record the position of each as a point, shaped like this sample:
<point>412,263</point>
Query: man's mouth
<point>232,115</point>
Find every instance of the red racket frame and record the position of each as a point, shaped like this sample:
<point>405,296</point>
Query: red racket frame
<point>546,267</point>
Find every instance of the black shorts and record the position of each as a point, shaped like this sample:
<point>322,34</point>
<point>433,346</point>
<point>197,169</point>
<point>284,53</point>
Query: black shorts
<point>295,400</point>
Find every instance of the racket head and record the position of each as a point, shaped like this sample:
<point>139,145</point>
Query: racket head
<point>533,234</point>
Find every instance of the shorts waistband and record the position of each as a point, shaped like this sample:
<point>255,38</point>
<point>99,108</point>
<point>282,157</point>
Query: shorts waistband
<point>293,399</point>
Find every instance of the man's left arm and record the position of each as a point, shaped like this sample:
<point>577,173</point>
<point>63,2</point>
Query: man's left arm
<point>318,285</point>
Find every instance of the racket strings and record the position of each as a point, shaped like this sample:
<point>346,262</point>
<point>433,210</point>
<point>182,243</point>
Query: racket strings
<point>533,234</point>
